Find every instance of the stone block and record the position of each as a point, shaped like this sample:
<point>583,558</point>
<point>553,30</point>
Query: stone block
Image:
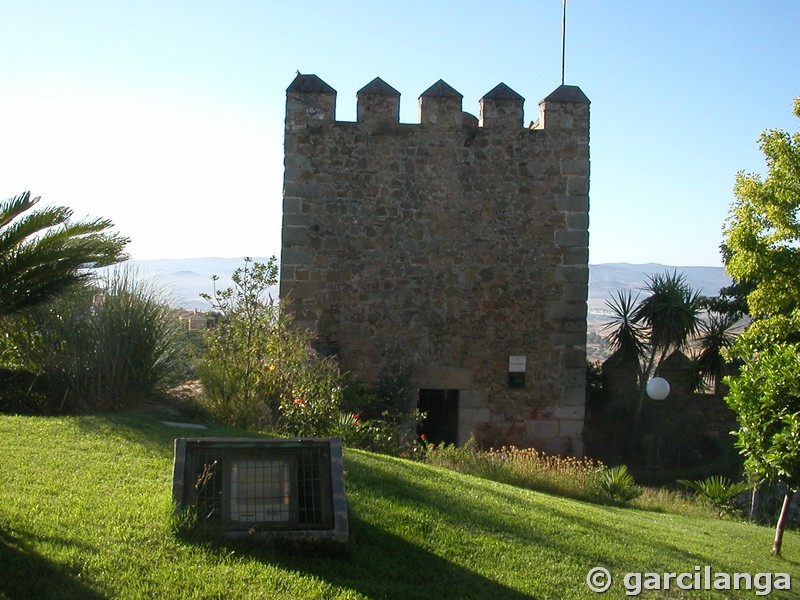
<point>292,205</point>
<point>297,220</point>
<point>556,446</point>
<point>443,378</point>
<point>297,255</point>
<point>295,236</point>
<point>303,189</point>
<point>577,185</point>
<point>576,292</point>
<point>570,428</point>
<point>473,416</point>
<point>575,166</point>
<point>543,429</point>
<point>572,274</point>
<point>578,220</point>
<point>568,339</point>
<point>574,358</point>
<point>569,412</point>
<point>567,310</point>
<point>572,237</point>
<point>577,255</point>
<point>572,204</point>
<point>575,396</point>
<point>470,399</point>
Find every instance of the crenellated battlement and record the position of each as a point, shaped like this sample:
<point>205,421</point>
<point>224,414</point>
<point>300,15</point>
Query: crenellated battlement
<point>311,103</point>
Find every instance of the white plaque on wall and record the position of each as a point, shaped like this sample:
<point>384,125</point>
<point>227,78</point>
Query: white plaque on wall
<point>516,364</point>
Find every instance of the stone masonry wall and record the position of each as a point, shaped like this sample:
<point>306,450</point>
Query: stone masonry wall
<point>443,248</point>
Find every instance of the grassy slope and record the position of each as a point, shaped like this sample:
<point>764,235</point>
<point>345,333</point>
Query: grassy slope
<point>85,513</point>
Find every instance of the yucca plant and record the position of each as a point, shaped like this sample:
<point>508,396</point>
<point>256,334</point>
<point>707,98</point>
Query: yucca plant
<point>644,332</point>
<point>626,336</point>
<point>717,335</point>
<point>618,485</point>
<point>720,491</point>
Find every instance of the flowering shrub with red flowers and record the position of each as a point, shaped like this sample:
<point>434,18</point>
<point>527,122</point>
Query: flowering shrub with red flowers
<point>380,417</point>
<point>310,401</point>
<point>260,370</point>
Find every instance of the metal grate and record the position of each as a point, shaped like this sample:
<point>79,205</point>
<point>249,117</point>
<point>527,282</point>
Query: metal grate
<point>275,486</point>
<point>311,505</point>
<point>260,491</point>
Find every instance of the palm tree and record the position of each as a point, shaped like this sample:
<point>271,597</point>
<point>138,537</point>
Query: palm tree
<point>716,335</point>
<point>671,314</point>
<point>628,340</point>
<point>644,333</point>
<point>42,253</point>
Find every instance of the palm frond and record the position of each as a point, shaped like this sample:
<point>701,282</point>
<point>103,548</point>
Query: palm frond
<point>43,254</point>
<point>717,334</point>
<point>626,337</point>
<point>671,312</point>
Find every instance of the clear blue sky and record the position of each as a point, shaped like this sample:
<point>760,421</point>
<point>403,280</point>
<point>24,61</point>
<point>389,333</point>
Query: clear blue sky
<point>167,116</point>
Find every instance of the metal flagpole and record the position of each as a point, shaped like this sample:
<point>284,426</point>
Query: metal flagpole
<point>563,36</point>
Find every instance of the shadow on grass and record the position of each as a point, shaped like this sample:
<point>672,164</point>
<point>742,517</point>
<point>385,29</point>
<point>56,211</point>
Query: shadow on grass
<point>379,565</point>
<point>541,531</point>
<point>26,574</point>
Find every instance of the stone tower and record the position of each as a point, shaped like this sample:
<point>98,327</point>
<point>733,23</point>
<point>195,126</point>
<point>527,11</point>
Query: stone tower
<point>454,251</point>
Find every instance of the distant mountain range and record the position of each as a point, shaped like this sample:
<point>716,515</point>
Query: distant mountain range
<point>183,279</point>
<point>605,279</point>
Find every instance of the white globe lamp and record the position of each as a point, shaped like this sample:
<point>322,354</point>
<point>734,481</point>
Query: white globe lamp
<point>657,388</point>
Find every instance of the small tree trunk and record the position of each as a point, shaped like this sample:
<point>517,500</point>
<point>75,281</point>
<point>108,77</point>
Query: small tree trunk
<point>753,503</point>
<point>787,500</point>
<point>642,391</point>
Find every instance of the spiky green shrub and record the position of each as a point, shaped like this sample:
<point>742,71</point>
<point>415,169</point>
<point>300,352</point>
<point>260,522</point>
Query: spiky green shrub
<point>722,493</point>
<point>618,485</point>
<point>103,347</point>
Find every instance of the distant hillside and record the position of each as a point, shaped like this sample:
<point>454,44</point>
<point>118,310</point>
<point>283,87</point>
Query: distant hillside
<point>606,279</point>
<point>185,278</point>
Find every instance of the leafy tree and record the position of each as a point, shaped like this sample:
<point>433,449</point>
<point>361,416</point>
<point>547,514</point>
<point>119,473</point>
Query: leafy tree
<point>43,253</point>
<point>762,236</point>
<point>766,398</point>
<point>731,301</point>
<point>763,231</point>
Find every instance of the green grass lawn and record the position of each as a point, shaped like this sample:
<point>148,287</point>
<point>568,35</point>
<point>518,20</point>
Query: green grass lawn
<point>85,512</point>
